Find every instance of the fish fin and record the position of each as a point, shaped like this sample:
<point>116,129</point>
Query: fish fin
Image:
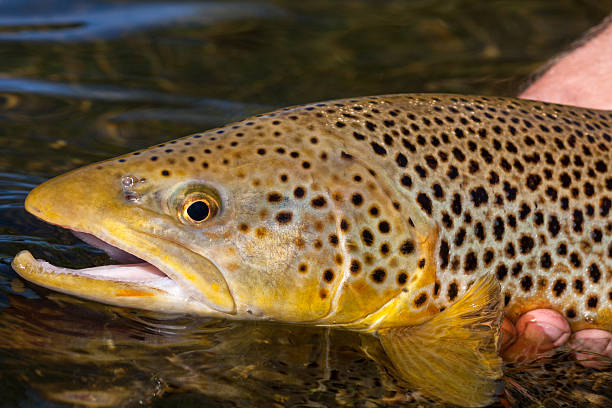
<point>455,355</point>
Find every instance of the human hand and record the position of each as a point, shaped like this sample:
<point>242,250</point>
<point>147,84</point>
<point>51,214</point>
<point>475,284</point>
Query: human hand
<point>582,77</point>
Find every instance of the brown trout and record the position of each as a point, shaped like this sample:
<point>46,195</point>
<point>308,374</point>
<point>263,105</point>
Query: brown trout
<point>418,218</point>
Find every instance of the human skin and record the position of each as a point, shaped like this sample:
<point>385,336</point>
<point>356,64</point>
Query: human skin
<point>580,77</point>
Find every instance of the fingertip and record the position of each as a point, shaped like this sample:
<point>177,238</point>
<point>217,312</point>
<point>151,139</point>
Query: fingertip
<point>544,327</point>
<point>537,332</point>
<point>593,348</point>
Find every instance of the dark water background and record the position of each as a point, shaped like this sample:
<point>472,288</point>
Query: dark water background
<point>82,81</point>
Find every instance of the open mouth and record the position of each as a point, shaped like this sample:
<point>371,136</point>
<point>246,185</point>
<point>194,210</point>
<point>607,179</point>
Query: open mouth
<point>130,269</point>
<point>135,282</point>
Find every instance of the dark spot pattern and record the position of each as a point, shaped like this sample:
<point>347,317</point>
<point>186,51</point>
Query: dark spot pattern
<point>477,185</point>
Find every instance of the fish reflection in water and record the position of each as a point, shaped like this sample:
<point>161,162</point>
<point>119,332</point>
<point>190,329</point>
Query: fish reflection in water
<point>77,352</point>
<point>118,357</point>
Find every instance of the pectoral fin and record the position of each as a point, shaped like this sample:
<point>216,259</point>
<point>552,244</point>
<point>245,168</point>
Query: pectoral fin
<point>455,355</point>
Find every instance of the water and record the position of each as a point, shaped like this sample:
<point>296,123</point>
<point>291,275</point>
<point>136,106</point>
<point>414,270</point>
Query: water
<point>82,81</point>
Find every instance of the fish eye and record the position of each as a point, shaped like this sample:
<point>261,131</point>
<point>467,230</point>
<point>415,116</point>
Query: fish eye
<point>197,208</point>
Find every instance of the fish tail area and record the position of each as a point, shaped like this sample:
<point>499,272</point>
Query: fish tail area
<point>455,355</point>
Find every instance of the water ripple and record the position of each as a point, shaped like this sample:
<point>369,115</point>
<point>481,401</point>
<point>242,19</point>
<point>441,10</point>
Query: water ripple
<point>78,21</point>
<point>84,91</point>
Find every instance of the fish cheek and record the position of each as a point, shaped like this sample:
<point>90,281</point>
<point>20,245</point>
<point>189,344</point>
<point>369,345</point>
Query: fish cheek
<point>280,276</point>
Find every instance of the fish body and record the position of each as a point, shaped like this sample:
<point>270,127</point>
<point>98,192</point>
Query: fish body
<point>372,214</point>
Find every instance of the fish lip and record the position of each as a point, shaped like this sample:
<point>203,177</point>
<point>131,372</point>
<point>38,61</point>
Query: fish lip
<point>195,289</point>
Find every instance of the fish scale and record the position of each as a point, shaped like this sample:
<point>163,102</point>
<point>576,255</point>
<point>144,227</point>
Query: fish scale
<point>415,217</point>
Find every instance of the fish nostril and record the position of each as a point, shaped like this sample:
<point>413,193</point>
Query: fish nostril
<point>128,184</point>
<point>131,196</point>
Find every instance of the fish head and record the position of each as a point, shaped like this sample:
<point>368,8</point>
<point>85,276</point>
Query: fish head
<point>245,230</point>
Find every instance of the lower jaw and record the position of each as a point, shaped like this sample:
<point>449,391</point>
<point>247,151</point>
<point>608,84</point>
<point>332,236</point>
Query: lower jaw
<point>146,289</point>
<point>134,283</point>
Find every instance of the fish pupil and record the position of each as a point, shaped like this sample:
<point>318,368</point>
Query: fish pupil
<point>198,210</point>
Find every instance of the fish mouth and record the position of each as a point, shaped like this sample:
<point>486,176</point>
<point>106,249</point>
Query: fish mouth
<point>130,270</point>
<point>154,273</point>
<point>134,282</point>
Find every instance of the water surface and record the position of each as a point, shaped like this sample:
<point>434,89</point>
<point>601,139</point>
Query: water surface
<point>82,81</point>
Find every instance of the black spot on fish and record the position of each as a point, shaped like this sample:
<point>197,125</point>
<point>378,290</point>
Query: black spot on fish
<point>367,237</point>
<point>274,198</point>
<point>407,247</point>
<point>425,203</point>
<point>402,278</point>
<point>479,196</point>
<point>378,275</point>
<point>318,202</point>
<point>420,300</point>
<point>559,287</point>
<point>355,267</point>
<point>284,217</point>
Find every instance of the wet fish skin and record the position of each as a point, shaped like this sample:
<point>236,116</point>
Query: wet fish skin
<point>368,213</point>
